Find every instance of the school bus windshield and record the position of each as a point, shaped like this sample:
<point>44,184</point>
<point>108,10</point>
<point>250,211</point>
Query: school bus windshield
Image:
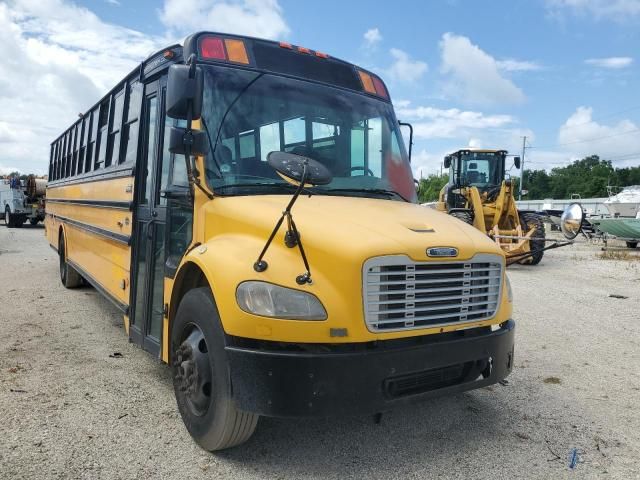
<point>250,114</point>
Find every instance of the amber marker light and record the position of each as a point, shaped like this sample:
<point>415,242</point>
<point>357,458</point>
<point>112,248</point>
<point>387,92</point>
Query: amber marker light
<point>236,51</point>
<point>367,83</point>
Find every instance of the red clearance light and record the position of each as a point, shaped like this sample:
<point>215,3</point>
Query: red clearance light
<point>212,47</point>
<point>322,55</point>
<point>286,45</point>
<point>379,86</point>
<point>304,50</point>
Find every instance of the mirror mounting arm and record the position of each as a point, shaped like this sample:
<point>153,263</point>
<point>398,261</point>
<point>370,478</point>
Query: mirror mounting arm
<point>292,236</point>
<point>193,174</point>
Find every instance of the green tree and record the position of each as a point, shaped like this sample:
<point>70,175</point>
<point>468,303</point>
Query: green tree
<point>429,188</point>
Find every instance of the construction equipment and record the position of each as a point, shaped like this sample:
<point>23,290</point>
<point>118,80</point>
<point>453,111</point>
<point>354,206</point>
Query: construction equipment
<point>480,194</point>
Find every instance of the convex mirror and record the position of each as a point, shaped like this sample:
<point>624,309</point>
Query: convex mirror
<point>571,221</point>
<point>299,169</point>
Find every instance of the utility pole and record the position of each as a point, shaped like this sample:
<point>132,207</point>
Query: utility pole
<point>524,147</point>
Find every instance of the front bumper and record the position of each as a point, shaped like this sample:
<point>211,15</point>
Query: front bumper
<point>371,378</point>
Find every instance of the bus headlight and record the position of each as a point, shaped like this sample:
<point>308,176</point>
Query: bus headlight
<point>269,300</point>
<point>509,291</point>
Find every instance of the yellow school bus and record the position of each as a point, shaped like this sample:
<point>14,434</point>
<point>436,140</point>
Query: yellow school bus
<point>249,207</point>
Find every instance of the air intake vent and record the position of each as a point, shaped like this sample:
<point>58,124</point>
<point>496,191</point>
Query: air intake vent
<point>400,294</point>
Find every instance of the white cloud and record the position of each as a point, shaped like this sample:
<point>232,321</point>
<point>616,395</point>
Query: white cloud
<point>404,68</point>
<point>59,59</point>
<point>511,65</point>
<point>115,3</point>
<point>580,136</point>
<point>258,18</point>
<point>372,37</point>
<point>474,75</point>
<point>618,10</point>
<point>449,123</point>
<point>610,62</point>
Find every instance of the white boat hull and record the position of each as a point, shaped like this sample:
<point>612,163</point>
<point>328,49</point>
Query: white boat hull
<point>623,209</point>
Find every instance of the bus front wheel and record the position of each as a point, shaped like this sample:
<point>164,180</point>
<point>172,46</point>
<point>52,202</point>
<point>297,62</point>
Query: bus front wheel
<point>200,376</point>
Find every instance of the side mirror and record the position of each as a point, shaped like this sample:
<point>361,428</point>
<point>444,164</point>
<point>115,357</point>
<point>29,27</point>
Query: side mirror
<point>179,138</point>
<point>184,92</point>
<point>516,162</point>
<point>447,161</point>
<point>571,221</point>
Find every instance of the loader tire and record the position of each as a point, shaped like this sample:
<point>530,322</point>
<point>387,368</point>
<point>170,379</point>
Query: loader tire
<point>529,221</point>
<point>466,217</point>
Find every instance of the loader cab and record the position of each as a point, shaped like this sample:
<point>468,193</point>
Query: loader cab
<point>483,169</point>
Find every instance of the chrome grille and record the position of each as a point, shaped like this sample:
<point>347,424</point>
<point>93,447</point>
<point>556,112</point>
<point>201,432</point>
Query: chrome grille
<point>400,294</point>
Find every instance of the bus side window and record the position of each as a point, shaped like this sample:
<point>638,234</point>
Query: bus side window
<point>76,144</point>
<point>67,150</point>
<point>102,136</point>
<point>51,161</point>
<point>91,142</point>
<point>84,125</point>
<point>113,150</point>
<point>131,122</point>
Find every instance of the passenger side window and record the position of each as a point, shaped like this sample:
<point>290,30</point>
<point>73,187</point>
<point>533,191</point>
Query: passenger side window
<point>269,140</point>
<point>247,145</point>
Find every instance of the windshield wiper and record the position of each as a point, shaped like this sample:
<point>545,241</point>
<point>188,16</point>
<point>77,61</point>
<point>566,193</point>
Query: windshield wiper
<point>376,191</point>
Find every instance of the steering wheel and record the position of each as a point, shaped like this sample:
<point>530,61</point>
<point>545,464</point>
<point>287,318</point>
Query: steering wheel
<point>366,170</point>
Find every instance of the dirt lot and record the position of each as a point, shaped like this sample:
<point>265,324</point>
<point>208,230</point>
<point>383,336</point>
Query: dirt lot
<point>70,408</point>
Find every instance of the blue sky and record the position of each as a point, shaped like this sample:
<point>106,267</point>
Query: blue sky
<point>483,73</point>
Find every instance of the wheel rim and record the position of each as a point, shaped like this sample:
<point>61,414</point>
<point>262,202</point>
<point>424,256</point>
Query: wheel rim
<point>192,371</point>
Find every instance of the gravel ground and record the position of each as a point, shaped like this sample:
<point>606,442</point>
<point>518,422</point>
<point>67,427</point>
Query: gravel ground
<point>71,409</point>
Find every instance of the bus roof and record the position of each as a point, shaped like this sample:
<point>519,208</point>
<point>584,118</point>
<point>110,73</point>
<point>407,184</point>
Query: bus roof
<point>268,56</point>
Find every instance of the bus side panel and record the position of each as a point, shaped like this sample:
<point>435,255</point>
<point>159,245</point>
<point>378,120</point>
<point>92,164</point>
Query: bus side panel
<point>98,230</point>
<point>106,261</point>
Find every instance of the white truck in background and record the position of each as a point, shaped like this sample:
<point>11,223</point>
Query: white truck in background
<point>22,200</point>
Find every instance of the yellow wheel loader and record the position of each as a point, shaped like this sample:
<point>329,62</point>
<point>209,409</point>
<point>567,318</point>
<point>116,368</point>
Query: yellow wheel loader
<point>479,194</point>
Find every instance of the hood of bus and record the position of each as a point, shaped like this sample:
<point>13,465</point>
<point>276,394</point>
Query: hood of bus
<point>349,227</point>
<point>338,234</point>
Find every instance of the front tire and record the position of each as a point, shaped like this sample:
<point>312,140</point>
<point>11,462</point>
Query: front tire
<point>201,376</point>
<point>533,221</point>
<point>466,217</point>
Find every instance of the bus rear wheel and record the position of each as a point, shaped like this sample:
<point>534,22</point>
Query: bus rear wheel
<point>200,376</point>
<point>69,277</point>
